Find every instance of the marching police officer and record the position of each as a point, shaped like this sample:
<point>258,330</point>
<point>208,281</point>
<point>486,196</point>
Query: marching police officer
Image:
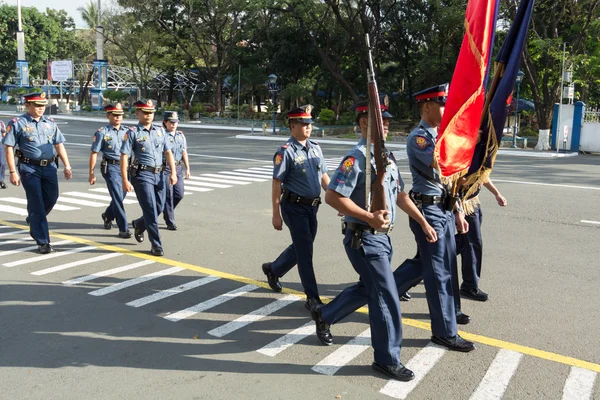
<point>369,249</point>
<point>470,244</point>
<point>437,264</point>
<point>299,173</point>
<point>147,144</point>
<point>2,157</point>
<point>37,138</point>
<point>108,140</point>
<point>179,144</point>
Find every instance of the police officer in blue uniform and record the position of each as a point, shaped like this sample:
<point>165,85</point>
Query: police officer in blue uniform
<point>470,244</point>
<point>299,173</point>
<point>179,143</point>
<point>37,138</point>
<point>108,140</point>
<point>437,263</point>
<point>369,249</point>
<point>147,144</point>
<point>2,157</point>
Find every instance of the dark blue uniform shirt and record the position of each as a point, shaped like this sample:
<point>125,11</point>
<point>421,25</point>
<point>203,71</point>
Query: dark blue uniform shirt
<point>35,139</point>
<point>146,145</point>
<point>420,146</point>
<point>109,140</point>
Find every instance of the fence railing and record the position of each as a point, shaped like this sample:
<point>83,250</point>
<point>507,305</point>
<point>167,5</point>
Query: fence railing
<point>591,115</point>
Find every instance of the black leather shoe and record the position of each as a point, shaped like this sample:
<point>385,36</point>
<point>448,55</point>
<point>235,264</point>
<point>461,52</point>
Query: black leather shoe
<point>271,278</point>
<point>474,294</point>
<point>45,248</point>
<point>405,296</point>
<point>398,372</point>
<point>139,236</point>
<point>323,332</point>
<point>107,222</point>
<point>157,251</point>
<point>455,343</point>
<point>2,185</point>
<point>312,302</point>
<point>462,318</point>
<point>172,227</point>
<point>125,235</point>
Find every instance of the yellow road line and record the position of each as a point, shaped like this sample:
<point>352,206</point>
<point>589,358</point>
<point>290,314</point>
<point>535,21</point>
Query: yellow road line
<point>546,355</point>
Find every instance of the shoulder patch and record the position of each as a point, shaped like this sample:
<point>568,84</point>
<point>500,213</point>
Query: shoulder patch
<point>125,137</point>
<point>347,164</point>
<point>421,142</point>
<point>278,159</point>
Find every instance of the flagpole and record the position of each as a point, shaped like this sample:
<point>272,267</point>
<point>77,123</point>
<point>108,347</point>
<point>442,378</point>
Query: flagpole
<point>562,77</point>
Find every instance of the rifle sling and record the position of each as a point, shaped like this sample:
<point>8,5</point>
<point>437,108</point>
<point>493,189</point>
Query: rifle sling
<point>429,178</point>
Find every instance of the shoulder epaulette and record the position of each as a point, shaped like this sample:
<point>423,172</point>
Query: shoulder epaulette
<point>285,145</point>
<point>314,142</point>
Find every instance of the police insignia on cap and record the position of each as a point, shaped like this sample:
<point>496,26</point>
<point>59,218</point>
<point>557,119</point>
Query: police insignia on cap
<point>385,100</point>
<point>43,95</point>
<point>149,103</point>
<point>118,106</point>
<point>174,115</point>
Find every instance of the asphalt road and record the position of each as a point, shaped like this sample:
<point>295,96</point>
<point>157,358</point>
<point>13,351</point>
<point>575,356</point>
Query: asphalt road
<point>537,336</point>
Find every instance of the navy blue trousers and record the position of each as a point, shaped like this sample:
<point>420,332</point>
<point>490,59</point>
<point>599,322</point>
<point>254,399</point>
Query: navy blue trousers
<point>41,190</point>
<point>2,161</point>
<point>301,219</point>
<point>174,194</point>
<point>150,191</point>
<point>470,248</point>
<point>376,287</point>
<point>114,183</point>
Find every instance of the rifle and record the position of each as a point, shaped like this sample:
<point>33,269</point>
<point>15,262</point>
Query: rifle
<point>375,134</point>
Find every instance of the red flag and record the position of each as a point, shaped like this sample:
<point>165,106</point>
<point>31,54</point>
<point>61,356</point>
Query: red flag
<point>459,129</point>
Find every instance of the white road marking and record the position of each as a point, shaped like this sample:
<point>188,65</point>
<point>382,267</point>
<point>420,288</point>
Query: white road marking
<point>205,179</point>
<point>256,173</point>
<point>108,272</point>
<point>193,184</point>
<point>163,294</point>
<point>105,190</point>
<point>76,264</point>
<point>135,281</point>
<point>420,364</point>
<point>241,175</point>
<point>343,355</point>
<point>548,184</point>
<point>19,232</point>
<point>82,202</point>
<point>265,169</point>
<point>28,248</point>
<point>208,304</point>
<point>58,207</point>
<point>579,384</point>
<point>198,189</point>
<point>97,197</point>
<point>496,379</point>
<point>13,210</point>
<point>44,257</point>
<point>254,316</point>
<point>16,241</point>
<point>287,340</point>
<point>5,226</point>
<point>584,221</point>
<point>226,158</point>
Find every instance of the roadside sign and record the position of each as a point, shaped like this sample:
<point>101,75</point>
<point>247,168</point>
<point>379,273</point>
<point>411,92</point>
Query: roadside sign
<point>61,70</point>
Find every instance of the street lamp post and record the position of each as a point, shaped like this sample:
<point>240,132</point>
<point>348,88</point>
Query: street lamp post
<point>272,79</point>
<point>520,75</point>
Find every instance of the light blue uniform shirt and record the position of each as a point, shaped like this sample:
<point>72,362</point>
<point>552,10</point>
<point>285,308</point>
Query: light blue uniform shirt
<point>146,145</point>
<point>300,168</point>
<point>349,180</point>
<point>420,146</point>
<point>35,139</point>
<point>109,140</point>
<point>178,144</point>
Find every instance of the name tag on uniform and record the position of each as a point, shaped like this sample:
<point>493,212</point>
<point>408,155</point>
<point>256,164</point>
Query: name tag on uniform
<point>300,159</point>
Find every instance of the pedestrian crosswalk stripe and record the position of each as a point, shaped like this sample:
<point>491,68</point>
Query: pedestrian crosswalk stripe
<point>288,340</point>
<point>163,294</point>
<point>16,241</point>
<point>420,364</point>
<point>496,379</point>
<point>20,232</point>
<point>206,179</point>
<point>13,210</point>
<point>17,200</point>
<point>4,227</point>
<point>135,281</point>
<point>252,177</point>
<point>108,272</point>
<point>82,202</point>
<point>28,248</point>
<point>97,197</point>
<point>265,169</point>
<point>343,355</point>
<point>44,257</point>
<point>238,179</point>
<point>208,304</point>
<point>579,384</point>
<point>105,190</point>
<point>254,316</point>
<point>250,171</point>
<point>193,184</point>
<point>76,264</point>
<point>198,189</point>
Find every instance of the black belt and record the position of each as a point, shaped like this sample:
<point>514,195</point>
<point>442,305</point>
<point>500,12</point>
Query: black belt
<point>177,163</point>
<point>111,162</point>
<point>292,197</point>
<point>353,227</point>
<point>426,199</point>
<point>41,163</point>
<point>156,170</point>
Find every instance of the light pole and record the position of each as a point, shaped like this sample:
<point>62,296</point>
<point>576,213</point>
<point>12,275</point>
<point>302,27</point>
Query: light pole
<point>520,75</point>
<point>272,79</point>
